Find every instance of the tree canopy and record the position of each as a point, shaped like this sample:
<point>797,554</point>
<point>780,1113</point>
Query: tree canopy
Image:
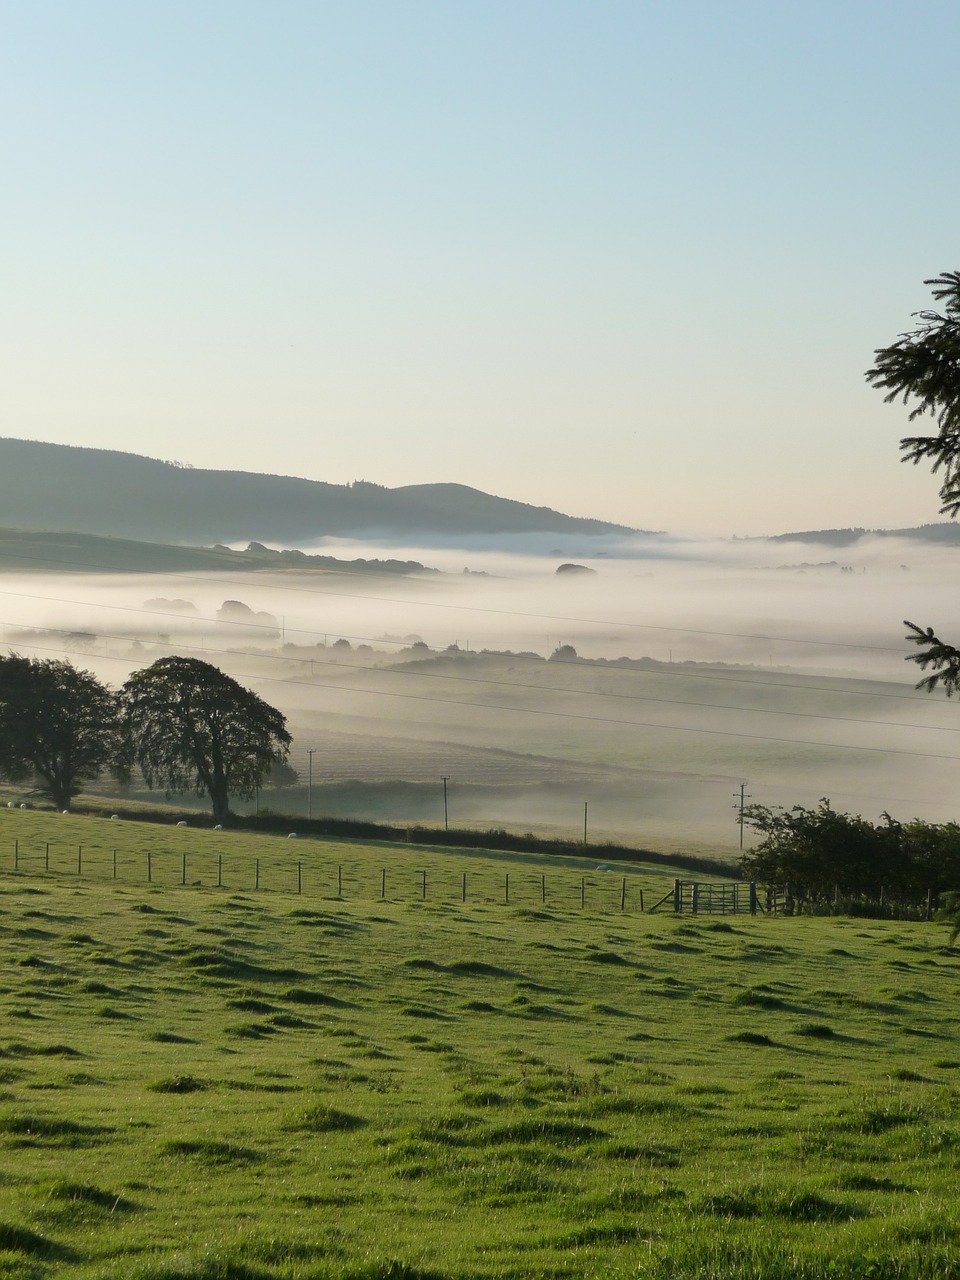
<point>189,726</point>
<point>922,368</point>
<point>818,851</point>
<point>58,725</point>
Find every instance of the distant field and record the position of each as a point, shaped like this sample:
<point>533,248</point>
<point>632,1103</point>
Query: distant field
<point>204,1084</point>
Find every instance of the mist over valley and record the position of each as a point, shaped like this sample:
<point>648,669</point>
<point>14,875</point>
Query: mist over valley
<point>648,689</point>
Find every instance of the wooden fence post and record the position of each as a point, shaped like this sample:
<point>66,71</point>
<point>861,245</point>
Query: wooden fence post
<point>256,880</point>
<point>299,877</point>
<point>16,855</point>
<point>383,882</point>
<point>641,899</point>
<point>339,881</point>
<point>114,864</point>
<point>543,888</point>
<point>677,901</point>
<point>46,857</point>
<point>423,887</point>
<point>623,894</point>
<point>183,869</point>
<point>219,870</point>
<point>506,888</point>
<point>463,888</point>
<point>79,858</point>
<point>149,868</point>
<point>583,892</point>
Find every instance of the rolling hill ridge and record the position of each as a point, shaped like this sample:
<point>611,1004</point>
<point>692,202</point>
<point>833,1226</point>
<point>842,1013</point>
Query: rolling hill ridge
<point>125,495</point>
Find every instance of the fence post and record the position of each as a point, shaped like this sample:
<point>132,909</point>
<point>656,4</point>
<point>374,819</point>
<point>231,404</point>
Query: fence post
<point>543,888</point>
<point>641,900</point>
<point>623,894</point>
<point>46,857</point>
<point>339,881</point>
<point>149,867</point>
<point>299,877</point>
<point>423,887</point>
<point>16,855</point>
<point>463,888</point>
<point>383,882</point>
<point>695,897</point>
<point>583,892</point>
<point>79,858</point>
<point>256,880</point>
<point>183,869</point>
<point>677,903</point>
<point>753,897</point>
<point>114,864</point>
<point>219,870</point>
<point>506,888</point>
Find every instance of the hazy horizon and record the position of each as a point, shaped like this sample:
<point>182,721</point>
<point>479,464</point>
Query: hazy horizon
<point>628,261</point>
<point>745,662</point>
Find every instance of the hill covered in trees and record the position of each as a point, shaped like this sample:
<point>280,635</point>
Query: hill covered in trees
<point>125,495</point>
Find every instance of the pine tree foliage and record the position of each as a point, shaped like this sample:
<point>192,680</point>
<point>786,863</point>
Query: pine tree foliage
<point>936,653</point>
<point>922,368</point>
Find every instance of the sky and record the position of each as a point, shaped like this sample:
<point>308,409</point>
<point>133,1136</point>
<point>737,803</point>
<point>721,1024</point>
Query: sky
<point>625,259</point>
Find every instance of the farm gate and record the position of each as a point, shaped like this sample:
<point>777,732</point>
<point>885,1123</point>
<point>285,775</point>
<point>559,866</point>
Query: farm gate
<point>725,897</point>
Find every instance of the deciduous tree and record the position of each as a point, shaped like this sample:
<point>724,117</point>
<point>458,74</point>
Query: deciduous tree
<point>189,726</point>
<point>58,725</point>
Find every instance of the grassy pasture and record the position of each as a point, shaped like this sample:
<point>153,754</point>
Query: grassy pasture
<point>136,853</point>
<point>199,1083</point>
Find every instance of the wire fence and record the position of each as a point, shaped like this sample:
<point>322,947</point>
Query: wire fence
<point>360,879</point>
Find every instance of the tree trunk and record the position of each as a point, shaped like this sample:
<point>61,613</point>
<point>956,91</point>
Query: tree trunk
<point>220,799</point>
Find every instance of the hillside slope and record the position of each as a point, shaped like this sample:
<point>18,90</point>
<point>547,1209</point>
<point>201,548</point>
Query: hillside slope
<point>100,491</point>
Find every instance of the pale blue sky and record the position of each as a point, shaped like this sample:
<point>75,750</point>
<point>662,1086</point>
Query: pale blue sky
<point>625,259</point>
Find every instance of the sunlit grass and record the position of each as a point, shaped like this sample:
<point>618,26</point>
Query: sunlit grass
<point>201,1083</point>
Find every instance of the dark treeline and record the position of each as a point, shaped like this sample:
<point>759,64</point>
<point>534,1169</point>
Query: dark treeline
<point>823,854</point>
<point>454,838</point>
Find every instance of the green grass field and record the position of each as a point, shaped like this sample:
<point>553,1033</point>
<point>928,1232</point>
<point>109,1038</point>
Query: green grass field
<point>201,1083</point>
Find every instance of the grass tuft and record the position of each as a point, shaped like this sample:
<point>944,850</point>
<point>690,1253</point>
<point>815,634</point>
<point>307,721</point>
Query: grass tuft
<point>320,1118</point>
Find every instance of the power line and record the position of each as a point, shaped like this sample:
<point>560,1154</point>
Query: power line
<point>510,613</point>
<point>611,664</point>
<point>569,715</point>
<point>540,688</point>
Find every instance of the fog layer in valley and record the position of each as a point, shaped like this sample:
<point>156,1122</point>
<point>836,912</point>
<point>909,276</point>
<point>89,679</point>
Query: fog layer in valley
<point>778,665</point>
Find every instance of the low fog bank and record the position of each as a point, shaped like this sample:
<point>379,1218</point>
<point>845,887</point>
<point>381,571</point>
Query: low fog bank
<point>779,665</point>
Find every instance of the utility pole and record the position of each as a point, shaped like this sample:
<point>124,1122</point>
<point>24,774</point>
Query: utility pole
<point>310,782</point>
<point>445,778</point>
<point>739,803</point>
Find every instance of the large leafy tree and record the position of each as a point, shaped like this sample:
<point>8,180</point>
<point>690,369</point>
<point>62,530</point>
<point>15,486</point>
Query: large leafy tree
<point>58,725</point>
<point>817,851</point>
<point>189,726</point>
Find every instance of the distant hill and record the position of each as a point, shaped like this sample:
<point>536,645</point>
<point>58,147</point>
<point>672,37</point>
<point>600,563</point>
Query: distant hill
<point>41,552</point>
<point>123,495</point>
<point>947,532</point>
